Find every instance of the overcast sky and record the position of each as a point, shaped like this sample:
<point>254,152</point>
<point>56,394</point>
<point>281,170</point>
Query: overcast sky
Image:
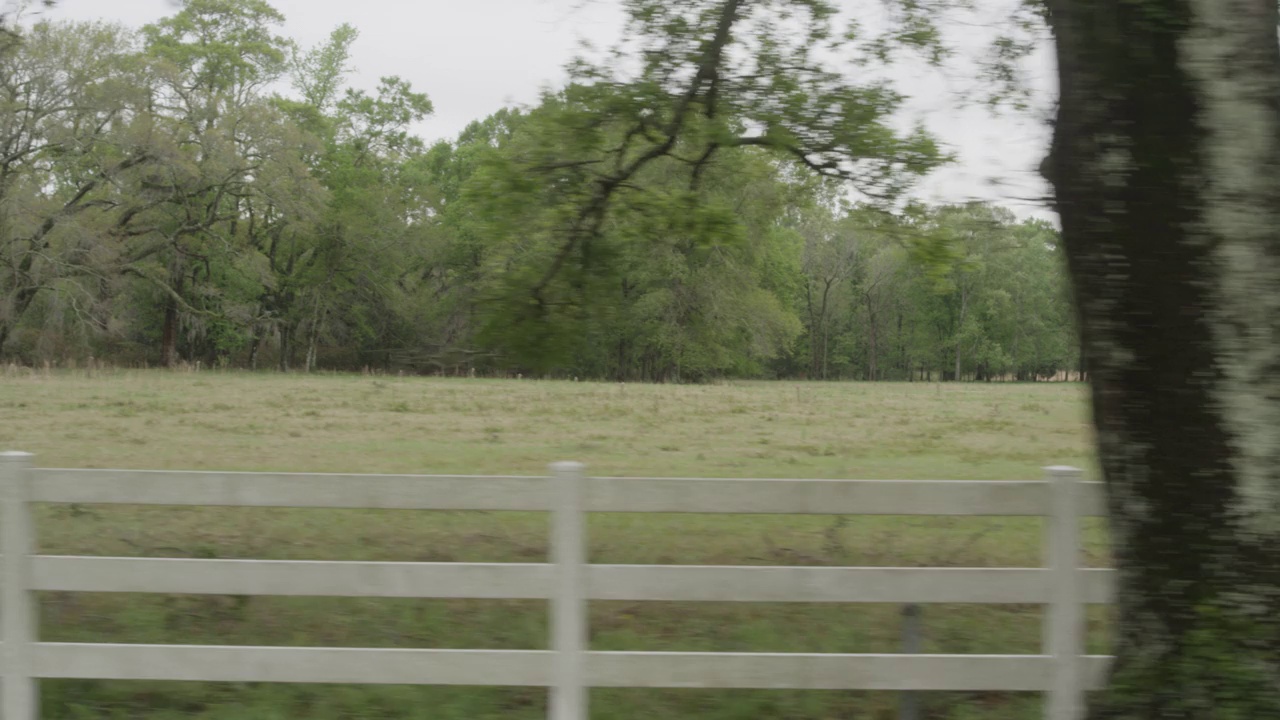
<point>472,57</point>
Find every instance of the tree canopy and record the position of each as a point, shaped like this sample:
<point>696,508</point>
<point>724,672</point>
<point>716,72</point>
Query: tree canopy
<point>711,198</point>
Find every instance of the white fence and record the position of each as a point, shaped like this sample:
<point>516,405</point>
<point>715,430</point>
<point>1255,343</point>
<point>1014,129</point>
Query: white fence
<point>568,669</point>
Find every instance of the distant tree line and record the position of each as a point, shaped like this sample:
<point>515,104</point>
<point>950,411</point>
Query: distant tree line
<point>203,190</point>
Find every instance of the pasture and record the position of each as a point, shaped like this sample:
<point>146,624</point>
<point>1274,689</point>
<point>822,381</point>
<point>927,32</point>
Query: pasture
<point>161,420</point>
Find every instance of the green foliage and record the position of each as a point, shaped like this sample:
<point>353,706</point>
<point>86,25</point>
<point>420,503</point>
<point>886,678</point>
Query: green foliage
<point>680,211</point>
<point>318,73</point>
<point>220,45</point>
<point>662,147</point>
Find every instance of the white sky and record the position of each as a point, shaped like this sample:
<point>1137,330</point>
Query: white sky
<point>472,57</point>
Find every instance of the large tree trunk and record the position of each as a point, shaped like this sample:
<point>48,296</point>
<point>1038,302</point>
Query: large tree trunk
<point>1166,167</point>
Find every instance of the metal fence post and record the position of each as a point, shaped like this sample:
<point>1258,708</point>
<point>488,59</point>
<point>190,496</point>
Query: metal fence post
<point>1065,613</point>
<point>19,697</point>
<point>569,605</point>
<point>912,642</point>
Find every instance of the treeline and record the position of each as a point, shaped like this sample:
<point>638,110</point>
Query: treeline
<point>203,190</point>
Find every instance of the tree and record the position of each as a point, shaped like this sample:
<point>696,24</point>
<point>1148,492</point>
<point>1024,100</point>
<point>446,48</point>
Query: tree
<point>69,99</point>
<point>1166,171</point>
<point>318,73</point>
<point>879,284</point>
<point>1038,323</point>
<point>678,286</point>
<point>695,82</point>
<point>233,173</point>
<point>831,254</point>
<point>367,251</point>
<point>975,236</point>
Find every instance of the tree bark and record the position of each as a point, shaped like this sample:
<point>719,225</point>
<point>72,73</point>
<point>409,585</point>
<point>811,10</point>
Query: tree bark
<point>313,333</point>
<point>964,306</point>
<point>169,334</point>
<point>286,347</point>
<point>903,360</point>
<point>312,342</point>
<point>818,328</point>
<point>1166,169</point>
<point>873,341</point>
<point>255,343</point>
<point>22,301</point>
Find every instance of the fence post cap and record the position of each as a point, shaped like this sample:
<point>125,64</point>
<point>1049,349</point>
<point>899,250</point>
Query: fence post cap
<point>15,456</point>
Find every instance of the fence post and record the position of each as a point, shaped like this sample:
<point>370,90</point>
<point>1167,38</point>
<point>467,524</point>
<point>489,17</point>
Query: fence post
<point>912,642</point>
<point>1065,613</point>
<point>569,604</point>
<point>19,699</point>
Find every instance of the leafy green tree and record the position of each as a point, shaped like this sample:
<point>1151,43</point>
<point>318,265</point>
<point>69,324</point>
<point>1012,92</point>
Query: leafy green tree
<point>459,260</point>
<point>219,55</point>
<point>68,101</point>
<point>233,177</point>
<point>879,289</point>
<point>376,230</point>
<point>832,254</point>
<point>318,74</point>
<point>696,82</point>
<point>357,266</point>
<point>935,284</point>
<point>666,289</point>
<point>1037,324</point>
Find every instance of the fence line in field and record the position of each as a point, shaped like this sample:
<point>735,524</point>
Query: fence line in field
<point>569,668</point>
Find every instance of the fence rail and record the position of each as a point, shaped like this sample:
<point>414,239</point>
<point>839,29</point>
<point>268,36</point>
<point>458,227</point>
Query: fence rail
<point>507,492</point>
<point>569,668</point>
<point>535,581</point>
<point>535,667</point>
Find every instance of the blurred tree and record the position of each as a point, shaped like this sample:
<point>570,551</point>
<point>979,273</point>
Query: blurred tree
<point>1166,170</point>
<point>693,82</point>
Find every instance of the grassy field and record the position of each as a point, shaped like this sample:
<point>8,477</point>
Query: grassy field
<point>161,420</point>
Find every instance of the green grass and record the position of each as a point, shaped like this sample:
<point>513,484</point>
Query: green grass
<point>389,424</point>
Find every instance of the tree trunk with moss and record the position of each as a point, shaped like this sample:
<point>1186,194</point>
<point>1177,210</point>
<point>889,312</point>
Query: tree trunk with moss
<point>1166,169</point>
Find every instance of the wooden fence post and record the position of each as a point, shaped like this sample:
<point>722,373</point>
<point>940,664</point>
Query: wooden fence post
<point>569,606</point>
<point>1065,613</point>
<point>19,697</point>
